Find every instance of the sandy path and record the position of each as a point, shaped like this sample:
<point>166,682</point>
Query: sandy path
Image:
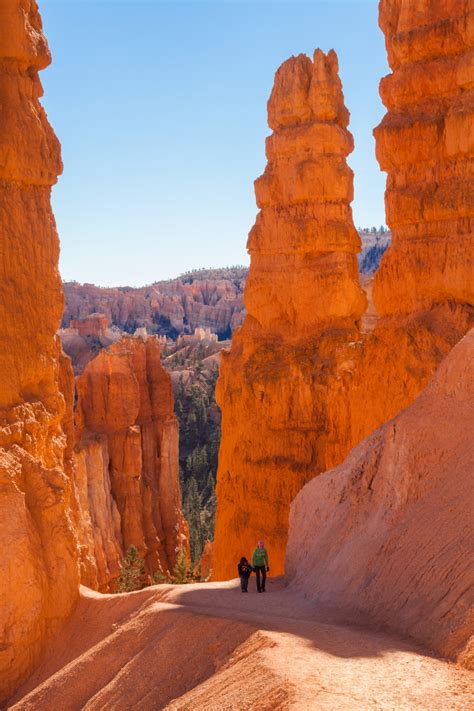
<point>210,647</point>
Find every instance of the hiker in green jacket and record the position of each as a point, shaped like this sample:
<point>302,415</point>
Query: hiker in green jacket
<point>260,565</point>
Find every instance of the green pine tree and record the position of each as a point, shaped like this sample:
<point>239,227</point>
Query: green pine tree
<point>132,571</point>
<point>180,571</point>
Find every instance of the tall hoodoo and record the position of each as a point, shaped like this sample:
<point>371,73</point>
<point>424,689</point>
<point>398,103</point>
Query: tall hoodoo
<point>126,460</point>
<point>303,246</point>
<point>426,145</point>
<point>303,301</point>
<point>39,573</point>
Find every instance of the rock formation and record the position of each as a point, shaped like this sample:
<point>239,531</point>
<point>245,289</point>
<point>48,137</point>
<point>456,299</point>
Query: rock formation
<point>303,301</point>
<point>425,143</point>
<point>86,337</point>
<point>424,288</point>
<point>301,386</point>
<point>126,459</point>
<point>170,308</point>
<point>387,536</point>
<point>39,571</point>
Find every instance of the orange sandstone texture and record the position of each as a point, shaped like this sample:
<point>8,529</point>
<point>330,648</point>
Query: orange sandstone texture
<point>426,145</point>
<point>387,536</point>
<point>300,386</point>
<point>39,573</point>
<point>303,301</point>
<point>126,459</point>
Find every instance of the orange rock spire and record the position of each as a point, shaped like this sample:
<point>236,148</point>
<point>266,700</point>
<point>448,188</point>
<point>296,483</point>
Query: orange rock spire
<point>303,246</point>
<point>126,459</point>
<point>303,300</point>
<point>39,571</point>
<point>426,145</point>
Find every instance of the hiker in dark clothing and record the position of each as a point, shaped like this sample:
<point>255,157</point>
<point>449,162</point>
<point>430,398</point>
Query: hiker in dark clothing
<point>260,565</point>
<point>245,571</point>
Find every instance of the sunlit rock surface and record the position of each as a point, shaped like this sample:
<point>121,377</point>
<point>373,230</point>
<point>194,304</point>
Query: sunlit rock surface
<point>386,537</point>
<point>304,303</point>
<point>301,386</point>
<point>126,459</point>
<point>39,572</point>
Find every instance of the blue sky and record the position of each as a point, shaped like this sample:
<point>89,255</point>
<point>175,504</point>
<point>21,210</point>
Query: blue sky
<point>161,111</point>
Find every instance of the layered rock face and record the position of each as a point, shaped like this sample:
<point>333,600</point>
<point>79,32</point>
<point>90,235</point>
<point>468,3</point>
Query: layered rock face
<point>426,144</point>
<point>386,537</point>
<point>171,308</point>
<point>38,571</point>
<point>424,287</point>
<point>296,399</point>
<point>303,301</point>
<point>126,459</point>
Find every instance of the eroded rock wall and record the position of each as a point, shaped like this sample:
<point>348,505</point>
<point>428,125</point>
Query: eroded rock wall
<point>426,145</point>
<point>126,459</point>
<point>172,308</point>
<point>385,538</point>
<point>302,385</point>
<point>304,303</point>
<point>39,572</point>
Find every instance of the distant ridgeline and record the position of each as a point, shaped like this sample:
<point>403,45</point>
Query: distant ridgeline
<point>209,298</point>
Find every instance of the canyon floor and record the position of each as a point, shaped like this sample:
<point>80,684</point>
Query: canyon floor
<point>208,646</point>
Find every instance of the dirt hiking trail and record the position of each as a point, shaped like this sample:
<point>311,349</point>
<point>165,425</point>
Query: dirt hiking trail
<point>208,646</point>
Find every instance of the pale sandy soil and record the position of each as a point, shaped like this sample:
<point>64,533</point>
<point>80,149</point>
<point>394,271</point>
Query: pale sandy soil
<point>209,646</point>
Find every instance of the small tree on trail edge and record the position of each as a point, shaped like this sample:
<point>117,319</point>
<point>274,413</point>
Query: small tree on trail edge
<point>132,571</point>
<point>180,571</point>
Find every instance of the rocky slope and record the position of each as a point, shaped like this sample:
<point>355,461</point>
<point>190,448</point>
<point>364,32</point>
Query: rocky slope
<point>36,529</point>
<point>126,460</point>
<point>296,400</point>
<point>386,536</point>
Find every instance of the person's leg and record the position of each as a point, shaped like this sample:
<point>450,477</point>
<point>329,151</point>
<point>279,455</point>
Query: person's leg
<point>245,583</point>
<point>242,583</point>
<point>264,577</point>
<point>257,575</point>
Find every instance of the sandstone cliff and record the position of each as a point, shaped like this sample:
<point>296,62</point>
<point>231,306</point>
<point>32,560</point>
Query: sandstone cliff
<point>39,571</point>
<point>425,143</point>
<point>387,536</point>
<point>301,387</point>
<point>211,298</point>
<point>304,303</point>
<point>126,459</point>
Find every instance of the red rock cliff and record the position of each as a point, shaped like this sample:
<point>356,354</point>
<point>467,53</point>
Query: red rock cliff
<point>426,145</point>
<point>39,571</point>
<point>296,399</point>
<point>170,307</point>
<point>386,537</point>
<point>304,302</point>
<point>126,459</point>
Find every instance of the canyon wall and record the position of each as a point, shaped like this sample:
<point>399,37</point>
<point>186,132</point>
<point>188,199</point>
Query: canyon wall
<point>386,538</point>
<point>295,400</point>
<point>425,143</point>
<point>424,288</point>
<point>126,461</point>
<point>170,308</point>
<point>304,303</point>
<point>39,572</point>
